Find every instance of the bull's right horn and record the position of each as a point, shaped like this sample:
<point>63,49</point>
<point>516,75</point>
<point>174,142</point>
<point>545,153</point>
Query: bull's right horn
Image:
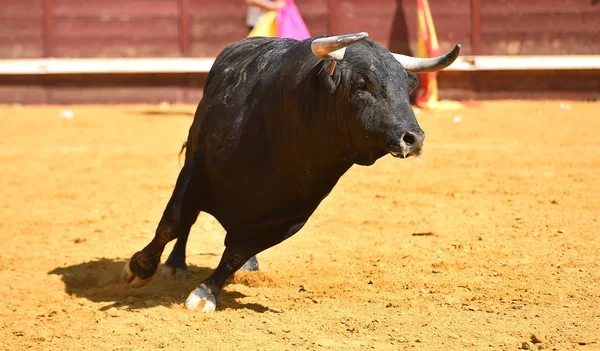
<point>424,65</point>
<point>335,47</point>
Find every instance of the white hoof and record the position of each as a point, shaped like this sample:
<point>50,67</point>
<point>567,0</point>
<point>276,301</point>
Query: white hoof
<point>167,272</point>
<point>201,294</point>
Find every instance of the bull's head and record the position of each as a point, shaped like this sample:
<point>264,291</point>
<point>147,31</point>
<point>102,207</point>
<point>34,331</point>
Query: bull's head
<point>377,83</point>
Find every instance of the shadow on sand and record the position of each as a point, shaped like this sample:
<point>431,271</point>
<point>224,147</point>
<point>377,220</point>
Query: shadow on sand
<point>165,112</point>
<point>98,281</point>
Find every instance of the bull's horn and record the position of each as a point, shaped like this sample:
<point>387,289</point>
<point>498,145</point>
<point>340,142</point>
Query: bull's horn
<point>424,65</point>
<point>335,47</point>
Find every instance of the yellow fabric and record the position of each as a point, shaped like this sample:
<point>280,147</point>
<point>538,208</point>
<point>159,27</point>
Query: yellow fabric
<point>266,27</point>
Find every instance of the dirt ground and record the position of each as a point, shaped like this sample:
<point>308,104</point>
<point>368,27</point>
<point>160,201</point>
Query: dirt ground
<point>490,242</point>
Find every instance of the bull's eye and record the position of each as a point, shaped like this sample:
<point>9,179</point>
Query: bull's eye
<point>361,84</point>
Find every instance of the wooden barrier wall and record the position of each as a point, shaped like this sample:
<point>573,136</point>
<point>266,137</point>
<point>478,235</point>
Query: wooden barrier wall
<point>202,28</point>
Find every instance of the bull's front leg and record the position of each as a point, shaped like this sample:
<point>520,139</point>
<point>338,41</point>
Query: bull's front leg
<point>241,251</point>
<point>233,258</point>
<point>179,216</point>
<point>140,268</point>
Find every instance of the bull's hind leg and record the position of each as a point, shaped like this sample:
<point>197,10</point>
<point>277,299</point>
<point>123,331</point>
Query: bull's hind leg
<point>175,264</point>
<point>251,265</point>
<point>179,216</point>
<point>233,259</point>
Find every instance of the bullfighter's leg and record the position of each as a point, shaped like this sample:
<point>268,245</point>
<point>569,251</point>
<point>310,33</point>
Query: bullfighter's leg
<point>233,259</point>
<point>179,216</point>
<point>176,266</point>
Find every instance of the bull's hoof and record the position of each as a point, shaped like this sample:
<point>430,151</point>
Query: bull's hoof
<point>168,272</point>
<point>201,294</point>
<point>251,265</point>
<point>130,279</point>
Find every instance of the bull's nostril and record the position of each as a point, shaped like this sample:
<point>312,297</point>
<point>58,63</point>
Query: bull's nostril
<point>410,139</point>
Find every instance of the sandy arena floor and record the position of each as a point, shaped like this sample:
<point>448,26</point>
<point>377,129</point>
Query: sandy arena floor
<point>493,237</point>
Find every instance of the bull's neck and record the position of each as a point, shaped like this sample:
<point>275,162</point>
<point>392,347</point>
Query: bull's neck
<point>307,137</point>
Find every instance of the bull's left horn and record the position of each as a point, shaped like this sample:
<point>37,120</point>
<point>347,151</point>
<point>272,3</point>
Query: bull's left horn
<point>424,65</point>
<point>335,47</point>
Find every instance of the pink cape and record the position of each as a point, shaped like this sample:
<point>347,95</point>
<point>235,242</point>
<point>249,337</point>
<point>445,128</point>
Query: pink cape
<point>290,23</point>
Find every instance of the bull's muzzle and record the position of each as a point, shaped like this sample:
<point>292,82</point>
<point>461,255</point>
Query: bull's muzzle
<point>411,144</point>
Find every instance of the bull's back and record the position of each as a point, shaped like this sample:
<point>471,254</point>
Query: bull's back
<point>241,66</point>
<point>235,91</point>
<point>228,133</point>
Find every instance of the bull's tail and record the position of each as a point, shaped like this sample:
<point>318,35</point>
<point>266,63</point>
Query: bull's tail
<point>183,146</point>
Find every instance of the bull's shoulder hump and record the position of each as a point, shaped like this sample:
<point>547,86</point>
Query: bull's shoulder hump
<point>250,49</point>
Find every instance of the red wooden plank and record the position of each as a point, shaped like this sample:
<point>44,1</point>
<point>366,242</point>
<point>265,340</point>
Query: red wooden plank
<point>20,28</point>
<point>21,48</point>
<point>573,23</point>
<point>540,44</point>
<point>230,29</point>
<point>22,94</point>
<point>538,6</point>
<point>315,14</point>
<point>194,95</point>
<point>116,8</point>
<point>402,34</point>
<point>453,23</point>
<point>97,28</point>
<point>471,85</point>
<point>114,95</point>
<point>305,7</point>
<point>540,27</point>
<point>350,17</point>
<point>184,27</point>
<point>207,8</point>
<point>317,24</point>
<point>332,16</point>
<point>353,7</point>
<point>475,27</point>
<point>21,8</point>
<point>376,24</point>
<point>206,48</point>
<point>202,9</point>
<point>47,28</point>
<point>450,7</point>
<point>115,47</point>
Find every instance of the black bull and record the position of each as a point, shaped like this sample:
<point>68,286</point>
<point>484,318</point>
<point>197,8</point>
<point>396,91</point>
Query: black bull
<point>276,129</point>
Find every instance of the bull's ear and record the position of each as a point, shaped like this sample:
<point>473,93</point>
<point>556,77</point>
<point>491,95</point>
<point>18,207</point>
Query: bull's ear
<point>413,81</point>
<point>329,81</point>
